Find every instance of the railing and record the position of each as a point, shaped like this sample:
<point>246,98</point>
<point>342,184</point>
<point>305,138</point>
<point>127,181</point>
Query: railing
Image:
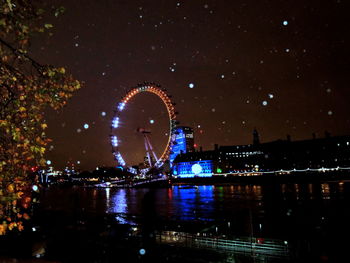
<point>322,169</point>
<point>149,181</point>
<point>124,183</point>
<point>253,246</point>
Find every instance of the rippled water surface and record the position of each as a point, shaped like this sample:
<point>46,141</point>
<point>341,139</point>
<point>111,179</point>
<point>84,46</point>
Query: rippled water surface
<point>279,211</point>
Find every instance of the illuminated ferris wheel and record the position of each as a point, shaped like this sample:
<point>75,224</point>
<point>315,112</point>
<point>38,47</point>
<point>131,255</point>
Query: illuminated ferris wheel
<point>118,119</point>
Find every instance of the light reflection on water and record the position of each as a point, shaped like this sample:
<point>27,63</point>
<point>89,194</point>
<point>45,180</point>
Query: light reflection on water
<point>325,191</point>
<point>118,204</point>
<point>194,203</point>
<point>176,203</point>
<point>308,212</point>
<point>208,202</point>
<point>307,215</point>
<point>270,208</point>
<point>263,205</point>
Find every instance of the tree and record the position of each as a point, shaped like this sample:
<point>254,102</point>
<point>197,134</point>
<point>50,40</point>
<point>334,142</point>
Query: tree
<point>27,88</point>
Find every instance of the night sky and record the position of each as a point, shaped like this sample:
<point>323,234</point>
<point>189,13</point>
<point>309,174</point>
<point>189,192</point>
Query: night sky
<point>281,67</point>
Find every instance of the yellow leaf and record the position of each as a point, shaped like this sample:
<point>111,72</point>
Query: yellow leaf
<point>3,123</point>
<point>48,26</point>
<point>42,162</point>
<point>42,150</point>
<point>22,109</point>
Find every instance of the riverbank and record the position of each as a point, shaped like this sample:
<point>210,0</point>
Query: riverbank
<point>62,236</point>
<point>293,177</point>
<point>256,179</point>
<point>85,224</point>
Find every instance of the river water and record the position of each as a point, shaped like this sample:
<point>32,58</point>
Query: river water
<point>312,218</point>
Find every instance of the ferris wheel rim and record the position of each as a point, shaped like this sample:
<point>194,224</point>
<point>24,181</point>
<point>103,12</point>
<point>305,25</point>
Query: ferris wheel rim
<point>166,99</point>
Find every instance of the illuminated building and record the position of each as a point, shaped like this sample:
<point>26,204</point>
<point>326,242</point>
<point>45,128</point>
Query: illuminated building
<point>194,169</point>
<point>184,142</point>
<point>189,138</point>
<point>322,153</point>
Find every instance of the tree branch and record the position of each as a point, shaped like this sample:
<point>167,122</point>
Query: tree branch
<point>20,53</point>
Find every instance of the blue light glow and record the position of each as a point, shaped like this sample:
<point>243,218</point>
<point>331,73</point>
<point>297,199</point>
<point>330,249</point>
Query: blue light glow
<point>179,146</point>
<point>191,85</point>
<point>121,106</point>
<point>194,169</point>
<point>186,200</point>
<point>119,158</point>
<point>118,204</point>
<point>114,140</point>
<point>285,23</point>
<point>115,122</point>
<point>86,126</point>
<point>151,121</point>
<point>159,163</point>
<point>132,170</point>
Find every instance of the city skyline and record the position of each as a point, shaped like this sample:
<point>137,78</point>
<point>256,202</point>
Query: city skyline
<point>174,131</point>
<point>231,67</point>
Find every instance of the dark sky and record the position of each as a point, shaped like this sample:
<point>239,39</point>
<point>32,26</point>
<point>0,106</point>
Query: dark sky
<point>279,66</point>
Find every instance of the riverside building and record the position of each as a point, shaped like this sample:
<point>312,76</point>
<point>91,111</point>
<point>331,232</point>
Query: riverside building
<point>282,155</point>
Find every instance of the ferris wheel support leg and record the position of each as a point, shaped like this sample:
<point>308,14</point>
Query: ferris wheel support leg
<point>151,148</point>
<point>147,151</point>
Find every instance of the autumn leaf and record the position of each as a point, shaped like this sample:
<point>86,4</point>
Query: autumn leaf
<point>48,26</point>
<point>28,88</point>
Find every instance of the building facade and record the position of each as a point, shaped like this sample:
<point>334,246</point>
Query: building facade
<point>328,153</point>
<point>184,142</point>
